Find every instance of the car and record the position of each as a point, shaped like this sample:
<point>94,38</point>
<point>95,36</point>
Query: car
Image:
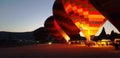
<point>117,43</point>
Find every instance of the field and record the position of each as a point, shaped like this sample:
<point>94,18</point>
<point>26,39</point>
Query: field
<point>59,51</point>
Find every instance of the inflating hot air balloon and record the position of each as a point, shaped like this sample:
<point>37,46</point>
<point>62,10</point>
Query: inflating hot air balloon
<point>110,9</point>
<point>55,30</point>
<point>63,23</point>
<point>52,30</point>
<point>72,15</point>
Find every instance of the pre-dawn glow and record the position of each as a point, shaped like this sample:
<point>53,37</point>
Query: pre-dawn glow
<point>28,15</point>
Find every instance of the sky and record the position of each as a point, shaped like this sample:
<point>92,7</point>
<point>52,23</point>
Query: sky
<point>24,15</point>
<point>28,15</point>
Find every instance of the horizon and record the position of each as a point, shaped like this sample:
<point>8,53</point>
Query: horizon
<point>29,15</point>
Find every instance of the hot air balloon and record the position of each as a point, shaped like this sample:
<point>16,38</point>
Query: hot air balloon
<point>50,26</point>
<point>72,15</point>
<point>63,23</point>
<point>110,9</point>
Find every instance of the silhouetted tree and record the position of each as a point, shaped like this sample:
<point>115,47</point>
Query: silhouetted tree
<point>101,36</point>
<point>114,35</point>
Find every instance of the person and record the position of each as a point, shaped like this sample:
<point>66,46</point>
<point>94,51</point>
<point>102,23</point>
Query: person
<point>116,46</point>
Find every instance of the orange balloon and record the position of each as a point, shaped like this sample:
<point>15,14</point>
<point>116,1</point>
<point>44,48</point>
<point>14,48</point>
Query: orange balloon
<point>84,16</point>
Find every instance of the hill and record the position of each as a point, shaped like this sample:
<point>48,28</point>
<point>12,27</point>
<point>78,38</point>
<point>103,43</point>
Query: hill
<point>16,38</point>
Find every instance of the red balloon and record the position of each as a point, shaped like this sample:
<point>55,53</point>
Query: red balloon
<point>110,9</point>
<point>52,30</point>
<point>62,20</point>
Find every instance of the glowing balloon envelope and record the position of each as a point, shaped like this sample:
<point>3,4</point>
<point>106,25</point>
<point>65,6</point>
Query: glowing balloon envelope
<point>84,16</point>
<point>110,9</point>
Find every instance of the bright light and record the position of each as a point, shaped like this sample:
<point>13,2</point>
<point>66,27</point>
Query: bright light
<point>38,41</point>
<point>104,42</point>
<point>67,38</point>
<point>49,43</point>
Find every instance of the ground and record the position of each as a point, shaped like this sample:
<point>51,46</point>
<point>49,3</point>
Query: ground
<point>59,51</point>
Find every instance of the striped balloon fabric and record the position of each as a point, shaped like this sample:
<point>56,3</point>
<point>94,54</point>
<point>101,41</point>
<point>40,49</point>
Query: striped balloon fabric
<point>110,9</point>
<point>84,16</point>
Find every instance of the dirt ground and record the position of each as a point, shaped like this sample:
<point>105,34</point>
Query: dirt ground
<point>59,51</point>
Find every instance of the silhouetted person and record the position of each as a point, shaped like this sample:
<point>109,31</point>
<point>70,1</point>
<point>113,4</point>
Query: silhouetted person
<point>116,46</point>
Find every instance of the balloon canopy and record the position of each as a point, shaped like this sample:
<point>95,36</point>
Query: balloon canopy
<point>110,9</point>
<point>50,25</point>
<point>80,13</point>
<point>70,17</point>
<point>63,21</point>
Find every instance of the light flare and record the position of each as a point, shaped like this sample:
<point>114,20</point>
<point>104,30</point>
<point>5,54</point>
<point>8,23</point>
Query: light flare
<point>66,37</point>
